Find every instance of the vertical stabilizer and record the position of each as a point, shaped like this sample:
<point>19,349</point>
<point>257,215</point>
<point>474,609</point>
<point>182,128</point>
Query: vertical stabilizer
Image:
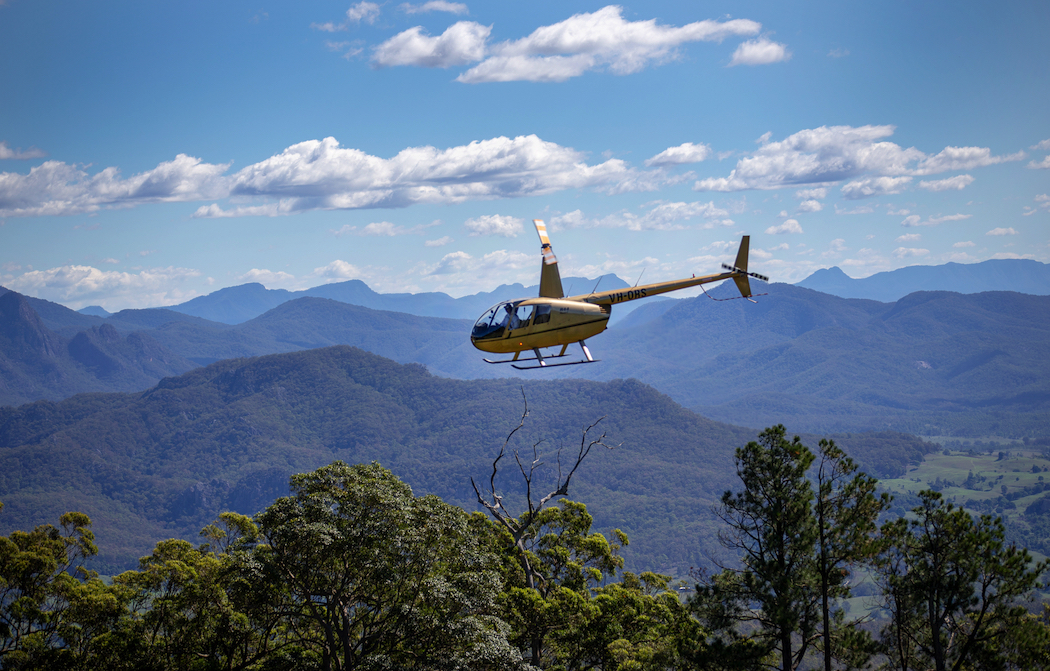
<point>741,264</point>
<point>550,278</point>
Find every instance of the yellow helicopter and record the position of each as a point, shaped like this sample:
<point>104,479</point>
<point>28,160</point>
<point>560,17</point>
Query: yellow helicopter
<point>552,320</point>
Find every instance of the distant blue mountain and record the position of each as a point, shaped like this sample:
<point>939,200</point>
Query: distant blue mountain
<point>236,305</point>
<point>1021,275</point>
<point>95,311</point>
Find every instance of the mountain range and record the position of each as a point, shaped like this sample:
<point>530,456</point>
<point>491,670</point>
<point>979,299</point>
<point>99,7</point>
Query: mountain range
<point>164,462</point>
<point>1021,275</point>
<point>932,363</point>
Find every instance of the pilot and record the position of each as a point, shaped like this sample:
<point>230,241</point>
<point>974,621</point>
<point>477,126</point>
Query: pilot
<point>512,318</point>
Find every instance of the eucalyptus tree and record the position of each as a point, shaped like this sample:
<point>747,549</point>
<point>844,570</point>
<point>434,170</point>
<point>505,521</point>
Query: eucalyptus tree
<point>373,576</point>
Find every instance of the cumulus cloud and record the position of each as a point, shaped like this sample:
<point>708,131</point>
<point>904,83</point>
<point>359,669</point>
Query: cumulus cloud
<point>832,154</point>
<point>1042,203</point>
<point>957,183</point>
<point>909,252</point>
<point>962,158</point>
<point>874,186</point>
<point>383,229</point>
<point>362,12</point>
<point>18,154</point>
<point>915,220</point>
<point>683,153</point>
<point>435,6</point>
<point>461,43</point>
<point>789,226</point>
<point>366,12</point>
<point>599,40</point>
<point>759,52</point>
<point>77,286</point>
<point>269,278</point>
<point>1041,146</point>
<point>495,224</point>
<point>440,242</point>
<point>965,243</point>
<point>811,194</point>
<point>810,206</point>
<point>1002,231</point>
<point>58,188</point>
<point>319,174</point>
<point>1041,165</point>
<point>662,217</point>
<point>909,237</point>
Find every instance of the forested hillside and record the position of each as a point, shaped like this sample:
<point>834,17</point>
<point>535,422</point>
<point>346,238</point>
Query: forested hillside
<point>163,463</point>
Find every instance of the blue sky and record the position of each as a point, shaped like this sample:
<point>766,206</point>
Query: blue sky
<point>151,152</point>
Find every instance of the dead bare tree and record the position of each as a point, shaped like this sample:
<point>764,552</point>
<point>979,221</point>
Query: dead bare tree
<point>518,526</point>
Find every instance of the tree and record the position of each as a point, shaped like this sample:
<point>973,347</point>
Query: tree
<point>521,529</point>
<point>771,524</point>
<point>374,576</point>
<point>954,591</point>
<point>846,513</point>
<point>42,576</point>
<point>199,607</point>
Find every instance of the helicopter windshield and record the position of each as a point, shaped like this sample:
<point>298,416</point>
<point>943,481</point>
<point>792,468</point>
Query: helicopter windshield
<point>493,323</point>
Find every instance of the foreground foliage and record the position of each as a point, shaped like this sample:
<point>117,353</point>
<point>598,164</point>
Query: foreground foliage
<point>351,570</point>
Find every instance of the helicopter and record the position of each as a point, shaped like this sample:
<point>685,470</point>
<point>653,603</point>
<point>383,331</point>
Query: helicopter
<point>554,320</point>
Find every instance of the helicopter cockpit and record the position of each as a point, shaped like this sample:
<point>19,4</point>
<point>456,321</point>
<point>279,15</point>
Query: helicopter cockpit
<point>494,322</point>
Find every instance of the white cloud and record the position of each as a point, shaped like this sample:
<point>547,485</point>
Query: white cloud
<point>1042,203</point>
<point>874,186</point>
<point>683,153</point>
<point>461,43</point>
<point>782,247</point>
<point>440,242</point>
<point>966,243</point>
<point>1002,231</point>
<point>383,229</point>
<point>810,206</point>
<point>949,217</point>
<point>366,12</point>
<point>435,6</point>
<point>859,209</point>
<point>957,183</point>
<point>54,187</point>
<point>495,224</point>
<point>1041,165</point>
<point>336,271</point>
<point>909,252</point>
<point>760,52</point>
<point>319,174</point>
<point>18,154</point>
<point>77,286</point>
<point>789,226</point>
<point>811,194</point>
<point>962,158</point>
<point>835,248</point>
<point>269,278</point>
<point>345,229</point>
<point>909,237</point>
<point>838,53</point>
<point>1041,146</point>
<point>915,220</point>
<point>662,217</point>
<point>1012,255</point>
<point>597,40</point>
<point>828,155</point>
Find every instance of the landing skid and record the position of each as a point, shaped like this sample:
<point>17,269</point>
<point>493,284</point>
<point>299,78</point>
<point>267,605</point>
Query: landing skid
<point>542,360</point>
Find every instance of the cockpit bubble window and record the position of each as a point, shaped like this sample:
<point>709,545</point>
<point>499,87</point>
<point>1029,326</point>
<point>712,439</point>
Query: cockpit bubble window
<point>492,324</point>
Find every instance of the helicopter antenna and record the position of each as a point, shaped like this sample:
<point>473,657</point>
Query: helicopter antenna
<point>640,277</point>
<point>596,284</point>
